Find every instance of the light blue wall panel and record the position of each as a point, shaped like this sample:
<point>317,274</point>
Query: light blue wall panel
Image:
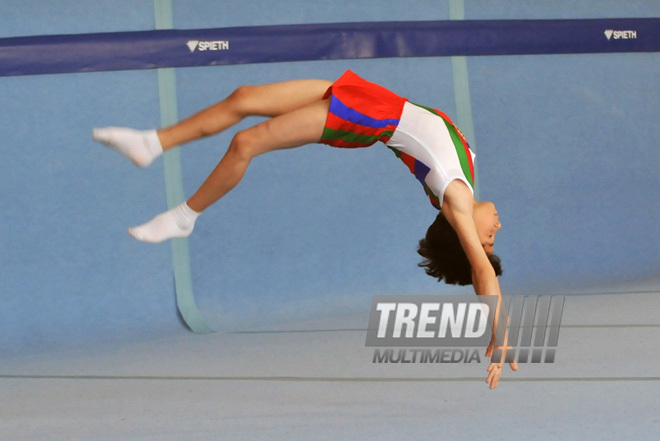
<point>566,148</point>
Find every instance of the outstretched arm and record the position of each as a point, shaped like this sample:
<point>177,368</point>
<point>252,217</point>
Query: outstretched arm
<point>458,210</point>
<point>457,207</point>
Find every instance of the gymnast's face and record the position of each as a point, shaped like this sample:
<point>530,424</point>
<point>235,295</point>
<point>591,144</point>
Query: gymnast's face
<point>488,224</point>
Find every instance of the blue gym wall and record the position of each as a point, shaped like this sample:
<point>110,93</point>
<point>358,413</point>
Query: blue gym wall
<point>567,148</point>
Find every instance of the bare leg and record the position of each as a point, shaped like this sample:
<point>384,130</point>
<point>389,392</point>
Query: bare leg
<point>264,100</point>
<point>298,127</point>
<point>293,129</point>
<point>143,146</point>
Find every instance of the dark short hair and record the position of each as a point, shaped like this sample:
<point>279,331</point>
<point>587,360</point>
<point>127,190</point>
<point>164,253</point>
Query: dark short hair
<point>444,257</point>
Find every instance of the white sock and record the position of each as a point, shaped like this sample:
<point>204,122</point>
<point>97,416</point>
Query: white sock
<point>177,222</point>
<point>141,147</point>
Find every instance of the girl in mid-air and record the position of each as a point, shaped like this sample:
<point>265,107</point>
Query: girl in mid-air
<point>349,113</point>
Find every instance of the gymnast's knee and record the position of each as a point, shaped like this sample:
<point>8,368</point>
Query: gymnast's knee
<point>240,99</point>
<point>243,144</point>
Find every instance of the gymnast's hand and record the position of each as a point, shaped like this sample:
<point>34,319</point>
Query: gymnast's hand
<point>495,369</point>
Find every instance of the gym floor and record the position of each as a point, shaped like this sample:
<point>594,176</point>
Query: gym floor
<point>316,380</point>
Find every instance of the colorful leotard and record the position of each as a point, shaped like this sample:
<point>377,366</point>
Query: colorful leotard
<point>435,151</point>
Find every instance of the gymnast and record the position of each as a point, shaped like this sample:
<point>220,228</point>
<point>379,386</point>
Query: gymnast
<point>349,113</point>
